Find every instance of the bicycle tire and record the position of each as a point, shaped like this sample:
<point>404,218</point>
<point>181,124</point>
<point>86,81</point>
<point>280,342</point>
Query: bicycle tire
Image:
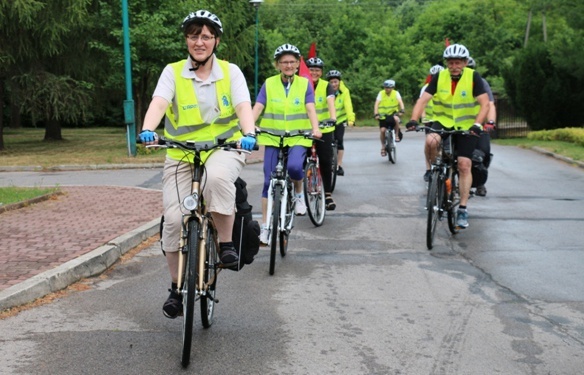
<point>275,226</point>
<point>393,150</point>
<point>334,168</point>
<point>453,202</point>
<point>314,194</point>
<point>189,291</point>
<point>433,207</point>
<point>388,145</point>
<point>210,273</point>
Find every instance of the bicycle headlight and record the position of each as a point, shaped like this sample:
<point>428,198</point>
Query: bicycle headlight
<point>191,202</point>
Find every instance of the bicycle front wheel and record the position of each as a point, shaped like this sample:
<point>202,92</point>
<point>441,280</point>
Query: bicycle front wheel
<point>334,168</point>
<point>391,149</point>
<point>314,194</point>
<point>274,234</point>
<point>189,290</point>
<point>209,278</point>
<point>433,208</point>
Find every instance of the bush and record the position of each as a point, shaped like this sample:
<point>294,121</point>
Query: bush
<point>573,135</point>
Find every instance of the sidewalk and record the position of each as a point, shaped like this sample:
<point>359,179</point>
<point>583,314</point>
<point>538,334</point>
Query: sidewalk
<point>49,245</point>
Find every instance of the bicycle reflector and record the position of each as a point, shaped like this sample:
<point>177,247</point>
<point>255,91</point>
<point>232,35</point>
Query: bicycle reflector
<point>191,202</point>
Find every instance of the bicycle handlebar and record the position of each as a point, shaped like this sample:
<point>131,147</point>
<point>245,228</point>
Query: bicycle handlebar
<point>440,131</point>
<point>194,147</point>
<point>288,134</point>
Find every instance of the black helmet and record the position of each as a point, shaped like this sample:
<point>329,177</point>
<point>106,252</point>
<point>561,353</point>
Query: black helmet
<point>315,62</point>
<point>333,74</point>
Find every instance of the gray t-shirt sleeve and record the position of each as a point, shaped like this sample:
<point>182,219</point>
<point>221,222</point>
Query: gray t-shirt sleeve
<point>488,90</point>
<point>239,90</point>
<point>165,86</point>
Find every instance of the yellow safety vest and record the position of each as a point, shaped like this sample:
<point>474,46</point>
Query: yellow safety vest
<point>285,113</point>
<point>188,125</point>
<point>344,106</point>
<point>459,110</point>
<point>388,104</point>
<point>321,105</point>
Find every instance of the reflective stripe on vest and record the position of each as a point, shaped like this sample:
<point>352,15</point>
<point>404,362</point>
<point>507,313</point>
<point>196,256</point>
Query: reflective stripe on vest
<point>190,125</point>
<point>458,110</point>
<point>285,112</point>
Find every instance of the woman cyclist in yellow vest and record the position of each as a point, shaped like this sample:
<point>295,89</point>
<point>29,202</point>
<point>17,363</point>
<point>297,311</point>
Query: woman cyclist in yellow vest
<point>204,99</point>
<point>427,116</point>
<point>388,107</point>
<point>345,114</point>
<point>324,103</point>
<point>454,92</point>
<point>287,101</point>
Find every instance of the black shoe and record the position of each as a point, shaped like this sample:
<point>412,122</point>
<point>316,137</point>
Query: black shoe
<point>340,171</point>
<point>427,176</point>
<point>481,191</point>
<point>330,203</point>
<point>228,255</point>
<point>173,305</point>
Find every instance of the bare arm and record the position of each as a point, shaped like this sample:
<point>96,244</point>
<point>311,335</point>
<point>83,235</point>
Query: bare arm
<point>483,100</point>
<point>311,111</point>
<point>246,117</point>
<point>330,101</point>
<point>376,107</point>
<point>258,108</point>
<point>155,113</point>
<point>420,105</point>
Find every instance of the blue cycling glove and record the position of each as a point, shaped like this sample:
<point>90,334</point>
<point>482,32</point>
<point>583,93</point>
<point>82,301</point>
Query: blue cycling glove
<point>248,142</point>
<point>147,136</point>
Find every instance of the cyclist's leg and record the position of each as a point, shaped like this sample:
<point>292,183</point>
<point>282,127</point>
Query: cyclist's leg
<point>398,133</point>
<point>464,144</point>
<point>324,151</point>
<point>221,170</point>
<point>339,136</point>
<point>172,225</point>
<point>383,125</point>
<point>295,165</point>
<point>270,162</point>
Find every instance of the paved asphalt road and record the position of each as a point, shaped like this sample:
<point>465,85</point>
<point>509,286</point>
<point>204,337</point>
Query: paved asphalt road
<point>359,295</point>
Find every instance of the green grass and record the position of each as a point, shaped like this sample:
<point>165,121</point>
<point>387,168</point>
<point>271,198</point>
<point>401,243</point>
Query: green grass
<point>13,194</point>
<point>88,146</point>
<point>567,149</point>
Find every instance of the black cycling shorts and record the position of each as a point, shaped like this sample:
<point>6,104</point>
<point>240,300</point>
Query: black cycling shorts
<point>464,144</point>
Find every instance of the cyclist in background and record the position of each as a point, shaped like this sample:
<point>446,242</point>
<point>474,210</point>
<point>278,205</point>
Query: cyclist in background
<point>454,92</point>
<point>324,102</point>
<point>427,116</point>
<point>204,99</point>
<point>287,101</point>
<point>345,114</point>
<point>485,141</point>
<point>386,112</point>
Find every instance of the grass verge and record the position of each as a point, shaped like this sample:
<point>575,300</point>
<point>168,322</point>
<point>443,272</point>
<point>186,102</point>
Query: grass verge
<point>13,194</point>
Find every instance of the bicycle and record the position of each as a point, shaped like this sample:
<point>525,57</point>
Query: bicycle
<point>390,143</point>
<point>198,265</point>
<point>314,193</point>
<point>281,203</point>
<point>443,189</point>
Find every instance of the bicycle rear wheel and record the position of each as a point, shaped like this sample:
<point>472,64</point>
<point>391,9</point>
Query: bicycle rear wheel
<point>274,235</point>
<point>209,278</point>
<point>189,291</point>
<point>314,194</point>
<point>434,204</point>
<point>334,169</point>
<point>388,145</point>
<point>453,202</point>
<point>392,150</point>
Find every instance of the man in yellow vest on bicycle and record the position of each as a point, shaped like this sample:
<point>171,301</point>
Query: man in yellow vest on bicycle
<point>204,99</point>
<point>453,92</point>
<point>387,109</point>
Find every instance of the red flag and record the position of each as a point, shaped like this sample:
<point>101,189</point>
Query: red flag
<point>446,42</point>
<point>312,50</point>
<point>304,71</point>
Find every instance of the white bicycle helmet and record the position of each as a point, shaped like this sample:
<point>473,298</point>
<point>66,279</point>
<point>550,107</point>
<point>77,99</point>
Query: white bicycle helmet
<point>471,63</point>
<point>456,51</point>
<point>315,62</point>
<point>436,69</point>
<point>333,74</point>
<point>206,17</point>
<point>390,83</point>
<point>286,49</point>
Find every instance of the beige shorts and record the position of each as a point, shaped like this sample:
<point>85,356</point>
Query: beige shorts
<point>221,170</point>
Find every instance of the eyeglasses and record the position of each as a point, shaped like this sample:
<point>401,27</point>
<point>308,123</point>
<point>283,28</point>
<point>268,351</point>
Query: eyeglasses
<point>204,38</point>
<point>287,62</point>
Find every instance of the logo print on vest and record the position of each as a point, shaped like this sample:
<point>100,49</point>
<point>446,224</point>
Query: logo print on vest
<point>225,101</point>
<point>297,101</point>
<point>463,94</point>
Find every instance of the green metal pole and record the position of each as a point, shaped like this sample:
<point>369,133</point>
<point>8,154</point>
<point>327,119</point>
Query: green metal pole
<point>255,93</point>
<point>129,113</point>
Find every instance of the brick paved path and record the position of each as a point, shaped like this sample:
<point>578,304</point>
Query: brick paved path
<point>42,236</point>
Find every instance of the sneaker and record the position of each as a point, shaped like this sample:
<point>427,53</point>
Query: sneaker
<point>427,176</point>
<point>173,305</point>
<point>462,218</point>
<point>228,255</point>
<point>340,171</point>
<point>300,206</point>
<point>481,191</point>
<point>264,234</point>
